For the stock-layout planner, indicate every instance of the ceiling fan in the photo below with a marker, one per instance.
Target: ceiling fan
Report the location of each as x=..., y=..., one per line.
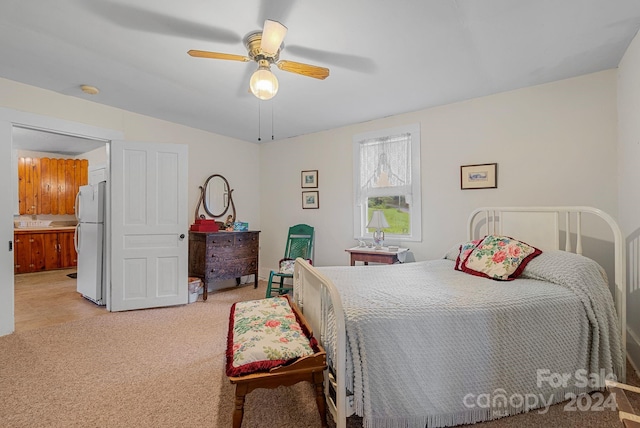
x=264, y=48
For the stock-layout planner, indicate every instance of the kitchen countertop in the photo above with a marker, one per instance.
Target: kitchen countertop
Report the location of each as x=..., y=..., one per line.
x=42, y=229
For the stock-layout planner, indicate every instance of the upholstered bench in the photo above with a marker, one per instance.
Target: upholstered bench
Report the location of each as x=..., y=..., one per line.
x=270, y=344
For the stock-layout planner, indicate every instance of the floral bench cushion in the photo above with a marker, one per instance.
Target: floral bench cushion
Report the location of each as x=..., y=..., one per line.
x=263, y=334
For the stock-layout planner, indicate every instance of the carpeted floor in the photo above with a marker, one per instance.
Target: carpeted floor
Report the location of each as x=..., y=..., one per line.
x=164, y=368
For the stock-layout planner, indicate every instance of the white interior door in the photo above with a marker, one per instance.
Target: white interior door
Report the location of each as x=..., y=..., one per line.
x=149, y=245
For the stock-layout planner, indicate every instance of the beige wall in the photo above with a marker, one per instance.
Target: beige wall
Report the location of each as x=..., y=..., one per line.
x=629, y=186
x=555, y=144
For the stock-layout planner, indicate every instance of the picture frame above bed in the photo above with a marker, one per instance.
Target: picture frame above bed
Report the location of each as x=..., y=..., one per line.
x=479, y=176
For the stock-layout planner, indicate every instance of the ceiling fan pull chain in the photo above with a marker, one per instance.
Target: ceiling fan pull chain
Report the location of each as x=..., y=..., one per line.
x=271, y=120
x=259, y=131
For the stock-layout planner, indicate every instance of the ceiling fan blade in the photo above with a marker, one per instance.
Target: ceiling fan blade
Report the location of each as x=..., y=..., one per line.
x=218, y=55
x=273, y=34
x=141, y=19
x=349, y=61
x=304, y=69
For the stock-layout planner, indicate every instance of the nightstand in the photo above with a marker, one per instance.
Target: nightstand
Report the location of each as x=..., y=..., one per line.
x=383, y=255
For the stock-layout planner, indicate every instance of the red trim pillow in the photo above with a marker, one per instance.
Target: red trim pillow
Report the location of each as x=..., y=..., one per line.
x=499, y=257
x=465, y=250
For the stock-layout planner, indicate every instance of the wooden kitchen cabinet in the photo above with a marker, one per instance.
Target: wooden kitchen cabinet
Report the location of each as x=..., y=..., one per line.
x=44, y=249
x=67, y=250
x=51, y=254
x=48, y=185
x=29, y=253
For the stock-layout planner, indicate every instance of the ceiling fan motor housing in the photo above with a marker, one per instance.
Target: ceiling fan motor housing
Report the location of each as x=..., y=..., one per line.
x=252, y=42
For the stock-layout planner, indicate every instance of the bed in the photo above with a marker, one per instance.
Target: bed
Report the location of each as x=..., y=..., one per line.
x=441, y=347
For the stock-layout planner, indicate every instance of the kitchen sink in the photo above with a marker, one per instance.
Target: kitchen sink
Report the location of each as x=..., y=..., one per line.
x=22, y=224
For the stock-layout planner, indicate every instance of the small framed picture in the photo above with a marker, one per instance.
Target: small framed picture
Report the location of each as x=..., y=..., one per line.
x=483, y=176
x=310, y=200
x=310, y=179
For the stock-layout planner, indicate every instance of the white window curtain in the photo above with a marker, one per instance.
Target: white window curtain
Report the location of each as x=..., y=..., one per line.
x=385, y=166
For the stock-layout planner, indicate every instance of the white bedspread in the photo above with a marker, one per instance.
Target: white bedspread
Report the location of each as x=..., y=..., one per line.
x=427, y=344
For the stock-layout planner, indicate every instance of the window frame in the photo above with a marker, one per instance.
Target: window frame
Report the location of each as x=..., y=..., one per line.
x=415, y=210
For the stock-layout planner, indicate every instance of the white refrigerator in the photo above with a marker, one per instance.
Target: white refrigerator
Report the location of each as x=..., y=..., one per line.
x=89, y=241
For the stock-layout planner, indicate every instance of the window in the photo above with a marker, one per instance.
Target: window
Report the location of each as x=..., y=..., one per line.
x=386, y=177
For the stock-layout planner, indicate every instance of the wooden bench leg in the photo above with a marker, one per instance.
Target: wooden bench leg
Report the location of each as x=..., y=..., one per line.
x=318, y=383
x=238, y=412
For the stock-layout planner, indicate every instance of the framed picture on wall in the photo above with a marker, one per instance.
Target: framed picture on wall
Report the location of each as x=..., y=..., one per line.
x=310, y=179
x=482, y=176
x=310, y=200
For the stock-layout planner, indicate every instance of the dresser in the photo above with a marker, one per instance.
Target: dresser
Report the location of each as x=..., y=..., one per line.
x=215, y=256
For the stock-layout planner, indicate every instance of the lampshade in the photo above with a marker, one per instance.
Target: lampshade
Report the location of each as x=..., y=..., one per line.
x=273, y=34
x=378, y=221
x=263, y=83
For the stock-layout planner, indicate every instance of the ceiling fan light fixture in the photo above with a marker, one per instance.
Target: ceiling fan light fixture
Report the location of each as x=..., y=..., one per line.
x=264, y=48
x=273, y=34
x=263, y=83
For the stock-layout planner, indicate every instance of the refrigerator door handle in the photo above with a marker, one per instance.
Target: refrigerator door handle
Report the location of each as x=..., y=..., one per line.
x=76, y=238
x=76, y=206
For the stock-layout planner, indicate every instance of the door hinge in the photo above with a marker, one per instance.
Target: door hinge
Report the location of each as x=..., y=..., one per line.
x=10, y=245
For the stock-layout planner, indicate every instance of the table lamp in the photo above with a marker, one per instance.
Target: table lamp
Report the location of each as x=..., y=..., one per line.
x=378, y=222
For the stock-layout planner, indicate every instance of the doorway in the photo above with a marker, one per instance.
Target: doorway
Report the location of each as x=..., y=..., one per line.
x=10, y=118
x=164, y=192
x=47, y=295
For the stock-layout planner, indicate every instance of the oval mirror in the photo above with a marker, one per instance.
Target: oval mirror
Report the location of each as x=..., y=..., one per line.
x=217, y=196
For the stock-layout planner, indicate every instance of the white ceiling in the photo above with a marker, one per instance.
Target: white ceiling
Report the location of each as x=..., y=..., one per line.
x=385, y=57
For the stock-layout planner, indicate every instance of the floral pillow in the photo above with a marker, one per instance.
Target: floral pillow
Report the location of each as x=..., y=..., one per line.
x=465, y=250
x=499, y=257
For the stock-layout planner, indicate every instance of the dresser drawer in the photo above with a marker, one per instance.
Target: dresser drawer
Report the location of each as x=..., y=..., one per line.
x=247, y=239
x=220, y=240
x=229, y=269
x=232, y=253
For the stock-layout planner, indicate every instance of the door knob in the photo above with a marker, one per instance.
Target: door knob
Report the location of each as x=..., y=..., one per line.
x=182, y=236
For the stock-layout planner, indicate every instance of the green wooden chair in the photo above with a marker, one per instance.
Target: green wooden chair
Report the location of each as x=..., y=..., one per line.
x=299, y=244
